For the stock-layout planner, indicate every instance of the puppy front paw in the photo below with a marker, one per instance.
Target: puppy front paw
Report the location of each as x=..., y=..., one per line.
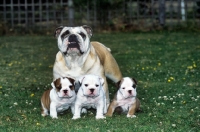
x=108, y=115
x=131, y=116
x=100, y=117
x=54, y=117
x=75, y=117
x=43, y=114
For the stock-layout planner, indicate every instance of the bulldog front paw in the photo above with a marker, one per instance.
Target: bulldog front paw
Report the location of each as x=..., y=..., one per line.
x=75, y=117
x=100, y=117
x=108, y=115
x=44, y=115
x=54, y=117
x=131, y=116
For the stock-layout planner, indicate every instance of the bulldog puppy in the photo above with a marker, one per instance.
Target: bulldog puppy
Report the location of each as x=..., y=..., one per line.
x=91, y=95
x=78, y=56
x=125, y=98
x=59, y=98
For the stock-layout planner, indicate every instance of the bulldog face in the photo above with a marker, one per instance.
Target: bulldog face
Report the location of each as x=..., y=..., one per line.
x=73, y=40
x=91, y=85
x=64, y=87
x=127, y=87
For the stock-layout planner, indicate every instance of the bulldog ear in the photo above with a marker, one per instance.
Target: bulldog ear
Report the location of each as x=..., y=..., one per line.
x=118, y=84
x=58, y=31
x=134, y=81
x=80, y=80
x=71, y=80
x=88, y=30
x=101, y=81
x=56, y=83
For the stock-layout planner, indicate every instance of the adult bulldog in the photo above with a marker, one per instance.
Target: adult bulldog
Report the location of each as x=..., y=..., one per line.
x=78, y=56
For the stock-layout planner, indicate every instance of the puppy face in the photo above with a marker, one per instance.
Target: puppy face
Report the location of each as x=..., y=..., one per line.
x=127, y=87
x=91, y=85
x=64, y=87
x=73, y=40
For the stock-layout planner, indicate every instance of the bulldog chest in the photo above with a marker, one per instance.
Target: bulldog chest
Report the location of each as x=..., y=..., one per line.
x=75, y=72
x=90, y=102
x=63, y=107
x=126, y=103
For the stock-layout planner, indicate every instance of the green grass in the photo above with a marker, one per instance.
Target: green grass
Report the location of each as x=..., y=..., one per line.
x=166, y=65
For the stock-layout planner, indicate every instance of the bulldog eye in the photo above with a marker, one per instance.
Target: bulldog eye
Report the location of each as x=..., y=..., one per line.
x=86, y=85
x=97, y=85
x=123, y=88
x=134, y=86
x=70, y=86
x=58, y=87
x=65, y=34
x=82, y=35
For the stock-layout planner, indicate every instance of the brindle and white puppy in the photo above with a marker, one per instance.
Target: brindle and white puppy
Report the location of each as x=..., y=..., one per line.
x=59, y=98
x=125, y=98
x=78, y=56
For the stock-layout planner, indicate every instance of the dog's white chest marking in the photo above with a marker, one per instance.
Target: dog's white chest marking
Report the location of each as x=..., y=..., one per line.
x=126, y=103
x=91, y=102
x=75, y=71
x=63, y=107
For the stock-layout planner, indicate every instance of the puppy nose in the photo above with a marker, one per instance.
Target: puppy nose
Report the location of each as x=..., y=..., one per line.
x=129, y=91
x=65, y=91
x=91, y=90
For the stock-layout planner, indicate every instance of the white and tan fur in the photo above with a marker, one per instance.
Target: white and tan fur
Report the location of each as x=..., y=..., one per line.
x=125, y=98
x=83, y=58
x=61, y=97
x=91, y=95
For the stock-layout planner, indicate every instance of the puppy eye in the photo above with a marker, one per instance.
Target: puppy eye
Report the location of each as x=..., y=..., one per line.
x=123, y=88
x=86, y=85
x=134, y=86
x=97, y=85
x=58, y=88
x=70, y=86
x=82, y=35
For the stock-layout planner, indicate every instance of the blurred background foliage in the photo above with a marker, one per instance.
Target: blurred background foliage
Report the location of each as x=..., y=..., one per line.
x=42, y=17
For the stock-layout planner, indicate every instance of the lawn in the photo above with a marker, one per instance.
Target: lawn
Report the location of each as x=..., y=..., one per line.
x=166, y=65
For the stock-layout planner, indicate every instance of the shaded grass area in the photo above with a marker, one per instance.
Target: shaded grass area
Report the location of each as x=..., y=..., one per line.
x=165, y=64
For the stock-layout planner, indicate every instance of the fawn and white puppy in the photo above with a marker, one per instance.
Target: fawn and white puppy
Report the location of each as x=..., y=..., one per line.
x=91, y=95
x=125, y=98
x=59, y=98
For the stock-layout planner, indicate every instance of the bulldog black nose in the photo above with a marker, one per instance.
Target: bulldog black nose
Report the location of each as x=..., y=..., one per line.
x=91, y=90
x=72, y=38
x=129, y=91
x=65, y=91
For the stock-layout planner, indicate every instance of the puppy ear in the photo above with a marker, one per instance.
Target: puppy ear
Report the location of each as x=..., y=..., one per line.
x=58, y=31
x=56, y=83
x=134, y=81
x=88, y=30
x=118, y=84
x=101, y=81
x=71, y=80
x=80, y=80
